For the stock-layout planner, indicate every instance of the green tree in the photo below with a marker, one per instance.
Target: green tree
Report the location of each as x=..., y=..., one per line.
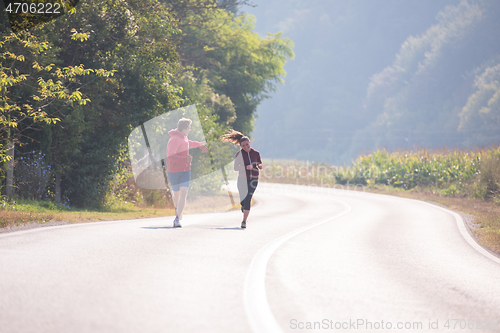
x=133, y=38
x=155, y=56
x=237, y=62
x=32, y=88
x=482, y=110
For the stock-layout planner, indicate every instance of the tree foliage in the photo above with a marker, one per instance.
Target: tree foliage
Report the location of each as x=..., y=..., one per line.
x=482, y=110
x=75, y=87
x=442, y=88
x=237, y=62
x=32, y=88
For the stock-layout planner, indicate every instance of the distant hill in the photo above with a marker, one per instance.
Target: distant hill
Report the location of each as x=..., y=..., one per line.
x=374, y=74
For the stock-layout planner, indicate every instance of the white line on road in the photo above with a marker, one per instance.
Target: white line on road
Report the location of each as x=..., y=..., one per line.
x=259, y=313
x=461, y=226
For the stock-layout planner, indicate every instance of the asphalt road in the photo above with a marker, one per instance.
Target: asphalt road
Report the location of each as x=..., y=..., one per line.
x=310, y=260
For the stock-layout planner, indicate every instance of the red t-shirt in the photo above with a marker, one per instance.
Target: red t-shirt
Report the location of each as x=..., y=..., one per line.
x=178, y=150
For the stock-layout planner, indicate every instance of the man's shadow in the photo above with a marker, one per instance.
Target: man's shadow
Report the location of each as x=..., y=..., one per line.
x=235, y=228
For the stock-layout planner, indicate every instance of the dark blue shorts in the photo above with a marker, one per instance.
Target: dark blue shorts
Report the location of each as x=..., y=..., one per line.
x=179, y=179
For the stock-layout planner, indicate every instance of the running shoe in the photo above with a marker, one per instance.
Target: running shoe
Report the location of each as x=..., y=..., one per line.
x=243, y=225
x=177, y=224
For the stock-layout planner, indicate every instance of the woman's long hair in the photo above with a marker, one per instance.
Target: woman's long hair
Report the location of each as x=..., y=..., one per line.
x=234, y=137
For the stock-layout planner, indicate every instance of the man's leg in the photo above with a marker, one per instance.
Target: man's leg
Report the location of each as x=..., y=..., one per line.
x=181, y=199
x=176, y=200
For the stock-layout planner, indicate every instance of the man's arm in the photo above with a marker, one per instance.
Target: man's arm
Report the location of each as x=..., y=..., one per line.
x=201, y=145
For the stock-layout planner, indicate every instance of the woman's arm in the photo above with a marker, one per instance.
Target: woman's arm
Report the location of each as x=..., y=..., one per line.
x=259, y=162
x=239, y=163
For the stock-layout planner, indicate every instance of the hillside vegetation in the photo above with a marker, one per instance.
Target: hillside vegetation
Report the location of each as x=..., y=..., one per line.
x=388, y=74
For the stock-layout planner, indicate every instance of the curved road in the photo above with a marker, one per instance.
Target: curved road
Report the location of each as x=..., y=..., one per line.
x=310, y=260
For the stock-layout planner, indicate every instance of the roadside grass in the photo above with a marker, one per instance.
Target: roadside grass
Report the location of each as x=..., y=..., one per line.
x=19, y=212
x=210, y=203
x=16, y=213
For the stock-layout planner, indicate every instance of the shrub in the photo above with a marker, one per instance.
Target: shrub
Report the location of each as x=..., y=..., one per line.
x=410, y=169
x=489, y=178
x=32, y=176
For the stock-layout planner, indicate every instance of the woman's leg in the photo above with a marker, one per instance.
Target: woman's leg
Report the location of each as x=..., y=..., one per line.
x=251, y=186
x=242, y=190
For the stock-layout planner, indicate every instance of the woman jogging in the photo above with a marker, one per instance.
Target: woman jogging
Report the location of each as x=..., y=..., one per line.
x=247, y=161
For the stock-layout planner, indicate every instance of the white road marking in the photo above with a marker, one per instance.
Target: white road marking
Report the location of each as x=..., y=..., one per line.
x=257, y=308
x=461, y=227
x=465, y=234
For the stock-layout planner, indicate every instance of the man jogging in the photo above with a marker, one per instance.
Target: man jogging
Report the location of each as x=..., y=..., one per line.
x=179, y=164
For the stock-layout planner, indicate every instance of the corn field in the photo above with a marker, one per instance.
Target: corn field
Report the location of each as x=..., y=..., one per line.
x=406, y=169
x=409, y=169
